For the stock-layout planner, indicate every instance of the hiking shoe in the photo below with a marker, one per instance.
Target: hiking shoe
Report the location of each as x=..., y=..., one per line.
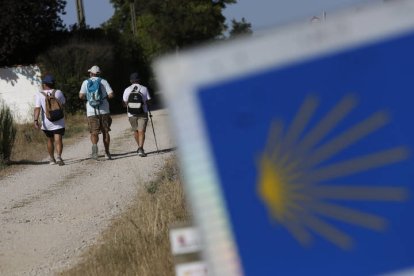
x=59, y=161
x=52, y=161
x=141, y=152
x=95, y=152
x=108, y=156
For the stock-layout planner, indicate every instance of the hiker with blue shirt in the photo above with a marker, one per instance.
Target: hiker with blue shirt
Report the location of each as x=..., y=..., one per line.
x=54, y=128
x=96, y=91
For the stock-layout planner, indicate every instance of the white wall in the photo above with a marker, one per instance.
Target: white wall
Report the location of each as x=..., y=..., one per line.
x=18, y=86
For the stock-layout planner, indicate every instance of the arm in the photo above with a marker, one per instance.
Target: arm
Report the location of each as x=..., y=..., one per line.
x=125, y=97
x=36, y=117
x=61, y=97
x=82, y=91
x=147, y=97
x=109, y=92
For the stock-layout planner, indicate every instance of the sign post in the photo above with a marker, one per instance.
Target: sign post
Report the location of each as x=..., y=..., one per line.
x=186, y=248
x=296, y=145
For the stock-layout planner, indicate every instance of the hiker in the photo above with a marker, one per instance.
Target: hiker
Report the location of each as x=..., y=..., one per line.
x=136, y=98
x=96, y=92
x=54, y=128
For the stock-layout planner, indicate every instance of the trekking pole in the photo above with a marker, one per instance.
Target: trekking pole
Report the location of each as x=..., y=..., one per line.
x=153, y=130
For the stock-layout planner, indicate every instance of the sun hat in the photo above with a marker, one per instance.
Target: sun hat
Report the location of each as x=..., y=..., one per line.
x=49, y=79
x=134, y=77
x=94, y=69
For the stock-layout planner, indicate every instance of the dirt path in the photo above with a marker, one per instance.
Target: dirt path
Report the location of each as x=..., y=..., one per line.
x=50, y=214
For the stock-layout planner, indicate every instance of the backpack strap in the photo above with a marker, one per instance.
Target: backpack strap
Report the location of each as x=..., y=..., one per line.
x=46, y=95
x=41, y=106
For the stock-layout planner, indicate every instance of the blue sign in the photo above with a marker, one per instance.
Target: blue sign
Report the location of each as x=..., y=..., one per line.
x=315, y=161
x=297, y=145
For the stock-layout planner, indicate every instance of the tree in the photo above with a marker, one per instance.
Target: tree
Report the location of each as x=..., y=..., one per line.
x=166, y=25
x=26, y=28
x=116, y=55
x=240, y=28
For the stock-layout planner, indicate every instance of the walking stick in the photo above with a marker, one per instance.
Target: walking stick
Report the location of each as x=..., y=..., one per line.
x=153, y=130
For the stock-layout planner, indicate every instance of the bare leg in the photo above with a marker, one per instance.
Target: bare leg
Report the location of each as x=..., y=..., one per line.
x=141, y=139
x=51, y=147
x=136, y=137
x=59, y=144
x=94, y=138
x=106, y=140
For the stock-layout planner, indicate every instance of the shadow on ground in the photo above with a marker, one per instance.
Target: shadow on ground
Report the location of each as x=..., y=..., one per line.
x=70, y=161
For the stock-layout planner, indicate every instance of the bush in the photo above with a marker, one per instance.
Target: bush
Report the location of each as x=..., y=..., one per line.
x=69, y=61
x=7, y=133
x=69, y=64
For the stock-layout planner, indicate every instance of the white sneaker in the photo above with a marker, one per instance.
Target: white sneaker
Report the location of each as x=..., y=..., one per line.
x=141, y=152
x=59, y=161
x=52, y=161
x=108, y=156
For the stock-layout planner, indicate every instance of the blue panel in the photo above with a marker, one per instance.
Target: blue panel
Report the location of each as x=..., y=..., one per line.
x=368, y=232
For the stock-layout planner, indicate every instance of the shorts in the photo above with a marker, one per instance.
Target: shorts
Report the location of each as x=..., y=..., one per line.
x=139, y=122
x=51, y=133
x=99, y=123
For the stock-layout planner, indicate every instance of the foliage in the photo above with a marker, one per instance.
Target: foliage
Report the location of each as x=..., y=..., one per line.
x=240, y=28
x=7, y=133
x=69, y=64
x=70, y=61
x=27, y=27
x=170, y=25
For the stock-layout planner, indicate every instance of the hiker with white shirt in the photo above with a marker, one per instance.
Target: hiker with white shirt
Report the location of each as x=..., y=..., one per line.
x=135, y=98
x=96, y=91
x=53, y=127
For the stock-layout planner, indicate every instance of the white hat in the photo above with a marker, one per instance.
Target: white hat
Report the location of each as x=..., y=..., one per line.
x=94, y=69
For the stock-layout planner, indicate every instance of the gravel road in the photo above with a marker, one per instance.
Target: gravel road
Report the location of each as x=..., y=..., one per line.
x=49, y=214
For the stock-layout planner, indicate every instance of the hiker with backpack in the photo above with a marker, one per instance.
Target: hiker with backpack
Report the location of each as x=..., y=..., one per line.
x=49, y=104
x=96, y=91
x=136, y=99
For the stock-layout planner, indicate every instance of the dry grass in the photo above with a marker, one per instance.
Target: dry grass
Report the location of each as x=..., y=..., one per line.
x=30, y=144
x=137, y=243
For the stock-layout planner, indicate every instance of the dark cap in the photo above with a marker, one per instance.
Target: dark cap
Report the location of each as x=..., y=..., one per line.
x=49, y=79
x=134, y=77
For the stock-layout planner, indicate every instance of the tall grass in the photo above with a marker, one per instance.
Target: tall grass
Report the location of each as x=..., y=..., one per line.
x=137, y=243
x=30, y=144
x=7, y=133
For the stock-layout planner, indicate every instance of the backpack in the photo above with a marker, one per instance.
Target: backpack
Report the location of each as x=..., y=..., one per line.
x=54, y=109
x=94, y=92
x=136, y=102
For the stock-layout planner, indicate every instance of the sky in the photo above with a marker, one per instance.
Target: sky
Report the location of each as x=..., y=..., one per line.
x=262, y=14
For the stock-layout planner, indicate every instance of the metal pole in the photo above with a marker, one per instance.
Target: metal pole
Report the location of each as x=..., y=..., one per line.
x=133, y=18
x=80, y=13
x=153, y=130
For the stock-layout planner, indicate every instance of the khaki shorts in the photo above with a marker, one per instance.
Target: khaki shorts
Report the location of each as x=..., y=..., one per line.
x=99, y=123
x=139, y=122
